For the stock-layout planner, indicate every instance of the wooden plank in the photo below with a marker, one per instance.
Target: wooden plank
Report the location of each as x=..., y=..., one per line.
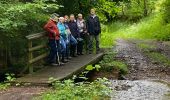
x=35, y=36
x=36, y=48
x=38, y=58
x=30, y=56
x=74, y=67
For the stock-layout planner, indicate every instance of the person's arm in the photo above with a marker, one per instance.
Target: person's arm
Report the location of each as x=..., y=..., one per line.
x=59, y=28
x=99, y=25
x=48, y=28
x=87, y=25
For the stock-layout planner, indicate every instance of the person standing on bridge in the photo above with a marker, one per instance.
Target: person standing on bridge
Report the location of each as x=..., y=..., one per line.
x=75, y=33
x=83, y=32
x=71, y=40
x=54, y=37
x=94, y=29
x=63, y=39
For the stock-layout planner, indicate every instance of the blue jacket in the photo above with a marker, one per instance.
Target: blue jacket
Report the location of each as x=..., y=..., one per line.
x=62, y=29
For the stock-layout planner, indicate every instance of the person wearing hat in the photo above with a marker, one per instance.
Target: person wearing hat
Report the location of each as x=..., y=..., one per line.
x=54, y=37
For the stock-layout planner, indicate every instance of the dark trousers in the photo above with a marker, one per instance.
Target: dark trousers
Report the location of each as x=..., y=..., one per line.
x=91, y=38
x=73, y=50
x=54, y=48
x=80, y=47
x=80, y=43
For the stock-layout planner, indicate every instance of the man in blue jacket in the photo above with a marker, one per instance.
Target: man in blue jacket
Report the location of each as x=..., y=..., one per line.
x=94, y=29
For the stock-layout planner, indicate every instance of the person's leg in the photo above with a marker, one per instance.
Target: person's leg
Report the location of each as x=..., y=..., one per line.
x=86, y=42
x=73, y=43
x=58, y=52
x=63, y=49
x=90, y=44
x=53, y=51
x=78, y=48
x=97, y=43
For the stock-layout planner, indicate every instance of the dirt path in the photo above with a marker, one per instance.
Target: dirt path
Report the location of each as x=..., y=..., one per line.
x=140, y=66
x=142, y=71
x=22, y=93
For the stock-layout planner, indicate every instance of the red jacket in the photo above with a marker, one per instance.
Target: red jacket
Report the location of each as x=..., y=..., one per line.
x=51, y=28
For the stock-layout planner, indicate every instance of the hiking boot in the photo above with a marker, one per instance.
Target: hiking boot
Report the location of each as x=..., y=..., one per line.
x=54, y=64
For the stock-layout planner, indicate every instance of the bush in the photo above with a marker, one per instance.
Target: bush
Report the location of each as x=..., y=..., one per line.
x=68, y=90
x=17, y=20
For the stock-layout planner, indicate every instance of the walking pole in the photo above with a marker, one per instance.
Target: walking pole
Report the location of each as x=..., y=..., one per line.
x=58, y=58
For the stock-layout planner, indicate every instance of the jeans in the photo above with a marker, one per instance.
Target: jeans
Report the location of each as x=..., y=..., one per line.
x=72, y=40
x=63, y=47
x=54, y=49
x=91, y=38
x=73, y=44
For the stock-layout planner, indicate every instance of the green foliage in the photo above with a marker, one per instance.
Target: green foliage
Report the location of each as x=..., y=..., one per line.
x=10, y=77
x=91, y=67
x=109, y=63
x=159, y=58
x=151, y=27
x=166, y=11
x=146, y=47
x=134, y=10
x=106, y=9
x=68, y=90
x=17, y=20
x=3, y=86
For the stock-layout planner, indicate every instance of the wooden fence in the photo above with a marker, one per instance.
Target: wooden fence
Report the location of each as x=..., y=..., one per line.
x=32, y=49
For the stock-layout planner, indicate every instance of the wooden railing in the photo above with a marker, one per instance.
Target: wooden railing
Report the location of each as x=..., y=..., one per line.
x=31, y=49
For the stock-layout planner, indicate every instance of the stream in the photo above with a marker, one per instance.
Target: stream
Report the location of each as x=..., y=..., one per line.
x=140, y=90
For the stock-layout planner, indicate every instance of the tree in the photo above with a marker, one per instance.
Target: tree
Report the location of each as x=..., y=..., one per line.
x=18, y=19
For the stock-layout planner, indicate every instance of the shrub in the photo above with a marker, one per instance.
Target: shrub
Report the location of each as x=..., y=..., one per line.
x=68, y=90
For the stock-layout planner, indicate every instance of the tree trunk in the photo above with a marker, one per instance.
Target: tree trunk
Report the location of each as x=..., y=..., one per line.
x=145, y=8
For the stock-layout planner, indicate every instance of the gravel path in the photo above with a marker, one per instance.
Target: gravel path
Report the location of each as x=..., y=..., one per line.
x=140, y=67
x=139, y=84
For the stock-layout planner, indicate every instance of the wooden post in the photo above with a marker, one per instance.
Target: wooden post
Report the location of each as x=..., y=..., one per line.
x=30, y=56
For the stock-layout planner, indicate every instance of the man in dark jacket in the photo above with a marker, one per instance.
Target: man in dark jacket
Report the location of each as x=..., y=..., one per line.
x=75, y=33
x=94, y=29
x=54, y=37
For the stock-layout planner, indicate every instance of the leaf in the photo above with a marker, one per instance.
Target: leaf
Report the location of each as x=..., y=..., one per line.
x=89, y=67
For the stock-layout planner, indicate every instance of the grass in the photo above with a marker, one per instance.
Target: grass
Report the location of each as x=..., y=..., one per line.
x=159, y=58
x=109, y=63
x=146, y=47
x=151, y=27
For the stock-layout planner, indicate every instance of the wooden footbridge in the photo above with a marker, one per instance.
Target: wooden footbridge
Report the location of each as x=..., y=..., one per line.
x=74, y=66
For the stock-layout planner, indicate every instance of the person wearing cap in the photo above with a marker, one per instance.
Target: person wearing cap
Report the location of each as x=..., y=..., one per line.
x=82, y=30
x=63, y=39
x=94, y=29
x=54, y=37
x=75, y=33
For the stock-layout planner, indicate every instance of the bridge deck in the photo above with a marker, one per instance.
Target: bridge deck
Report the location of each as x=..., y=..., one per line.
x=61, y=72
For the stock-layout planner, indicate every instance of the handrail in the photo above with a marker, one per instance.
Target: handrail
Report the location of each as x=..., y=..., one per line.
x=31, y=49
x=35, y=36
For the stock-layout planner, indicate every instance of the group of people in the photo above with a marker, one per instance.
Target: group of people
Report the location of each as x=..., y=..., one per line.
x=69, y=36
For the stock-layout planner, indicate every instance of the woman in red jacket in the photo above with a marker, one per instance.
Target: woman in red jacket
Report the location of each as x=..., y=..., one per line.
x=54, y=37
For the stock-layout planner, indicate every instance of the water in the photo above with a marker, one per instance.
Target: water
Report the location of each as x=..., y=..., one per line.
x=140, y=90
